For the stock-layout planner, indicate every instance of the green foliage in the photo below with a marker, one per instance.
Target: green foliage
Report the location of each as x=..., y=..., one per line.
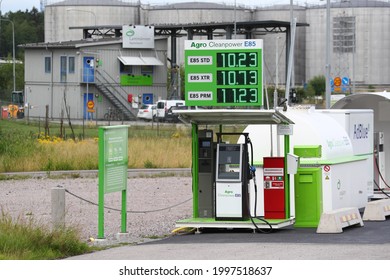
x=28, y=27
x=317, y=85
x=149, y=164
x=6, y=79
x=16, y=143
x=27, y=240
x=25, y=27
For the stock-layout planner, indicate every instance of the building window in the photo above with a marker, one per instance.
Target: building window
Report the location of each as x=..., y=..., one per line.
x=63, y=69
x=47, y=64
x=146, y=69
x=125, y=69
x=71, y=66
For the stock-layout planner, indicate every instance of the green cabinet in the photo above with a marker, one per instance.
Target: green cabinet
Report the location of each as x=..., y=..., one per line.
x=308, y=197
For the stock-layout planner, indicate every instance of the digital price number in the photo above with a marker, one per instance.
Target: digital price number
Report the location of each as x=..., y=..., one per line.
x=223, y=73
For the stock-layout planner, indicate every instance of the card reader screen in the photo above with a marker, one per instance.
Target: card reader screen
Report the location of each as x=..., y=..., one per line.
x=229, y=162
x=205, y=144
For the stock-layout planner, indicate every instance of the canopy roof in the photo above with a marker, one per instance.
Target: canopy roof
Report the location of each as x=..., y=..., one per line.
x=232, y=116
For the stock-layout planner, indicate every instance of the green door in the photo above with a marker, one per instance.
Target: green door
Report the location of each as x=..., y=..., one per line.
x=308, y=197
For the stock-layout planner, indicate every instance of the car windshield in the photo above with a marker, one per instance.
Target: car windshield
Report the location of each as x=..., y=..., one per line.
x=143, y=107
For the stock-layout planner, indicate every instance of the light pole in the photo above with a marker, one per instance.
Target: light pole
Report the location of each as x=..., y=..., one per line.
x=277, y=72
x=327, y=62
x=13, y=49
x=85, y=11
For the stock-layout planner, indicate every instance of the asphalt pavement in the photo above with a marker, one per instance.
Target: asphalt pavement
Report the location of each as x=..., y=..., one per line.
x=370, y=242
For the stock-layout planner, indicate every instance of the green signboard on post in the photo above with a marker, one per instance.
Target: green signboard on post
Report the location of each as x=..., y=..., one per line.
x=224, y=72
x=113, y=164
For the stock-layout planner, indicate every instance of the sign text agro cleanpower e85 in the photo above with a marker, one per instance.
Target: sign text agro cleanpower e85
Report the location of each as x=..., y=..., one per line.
x=224, y=72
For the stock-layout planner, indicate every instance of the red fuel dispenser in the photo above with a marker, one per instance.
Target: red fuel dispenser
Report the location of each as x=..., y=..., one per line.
x=274, y=199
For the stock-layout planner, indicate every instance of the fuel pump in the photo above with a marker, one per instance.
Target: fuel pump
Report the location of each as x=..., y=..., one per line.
x=206, y=173
x=379, y=160
x=232, y=180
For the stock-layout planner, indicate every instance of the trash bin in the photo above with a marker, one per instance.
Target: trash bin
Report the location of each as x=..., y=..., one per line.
x=4, y=112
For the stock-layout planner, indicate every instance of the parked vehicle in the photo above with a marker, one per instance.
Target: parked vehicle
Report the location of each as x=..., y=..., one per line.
x=147, y=112
x=172, y=116
x=163, y=107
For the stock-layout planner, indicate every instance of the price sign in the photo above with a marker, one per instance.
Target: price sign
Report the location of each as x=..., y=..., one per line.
x=224, y=72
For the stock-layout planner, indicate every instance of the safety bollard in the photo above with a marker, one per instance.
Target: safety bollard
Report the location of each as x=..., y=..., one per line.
x=58, y=206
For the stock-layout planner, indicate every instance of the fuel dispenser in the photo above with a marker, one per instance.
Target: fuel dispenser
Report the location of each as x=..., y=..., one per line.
x=232, y=180
x=206, y=174
x=379, y=160
x=224, y=173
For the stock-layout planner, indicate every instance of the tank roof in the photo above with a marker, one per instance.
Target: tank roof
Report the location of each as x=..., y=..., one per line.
x=92, y=3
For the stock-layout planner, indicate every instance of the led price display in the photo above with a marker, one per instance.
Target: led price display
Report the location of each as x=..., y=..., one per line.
x=223, y=73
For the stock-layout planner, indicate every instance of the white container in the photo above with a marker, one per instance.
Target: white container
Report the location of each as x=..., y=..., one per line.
x=347, y=177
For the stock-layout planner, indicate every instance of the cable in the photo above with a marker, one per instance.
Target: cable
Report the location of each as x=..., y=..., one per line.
x=253, y=173
x=381, y=189
x=379, y=172
x=118, y=210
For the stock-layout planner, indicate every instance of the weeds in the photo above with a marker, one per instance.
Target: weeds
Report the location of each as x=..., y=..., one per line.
x=25, y=239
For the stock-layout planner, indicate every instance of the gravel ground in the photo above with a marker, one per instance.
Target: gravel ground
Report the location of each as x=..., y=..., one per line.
x=32, y=198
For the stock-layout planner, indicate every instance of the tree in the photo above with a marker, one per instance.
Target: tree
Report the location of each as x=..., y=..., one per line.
x=317, y=84
x=28, y=28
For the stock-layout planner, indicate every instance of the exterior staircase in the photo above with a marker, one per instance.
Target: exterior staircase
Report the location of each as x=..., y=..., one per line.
x=110, y=88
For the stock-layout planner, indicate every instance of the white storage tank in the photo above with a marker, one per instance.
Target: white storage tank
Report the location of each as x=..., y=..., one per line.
x=379, y=103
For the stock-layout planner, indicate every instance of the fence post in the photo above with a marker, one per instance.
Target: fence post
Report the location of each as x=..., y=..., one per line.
x=58, y=206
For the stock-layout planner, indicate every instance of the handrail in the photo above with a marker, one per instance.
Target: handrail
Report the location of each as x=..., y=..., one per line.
x=112, y=89
x=112, y=85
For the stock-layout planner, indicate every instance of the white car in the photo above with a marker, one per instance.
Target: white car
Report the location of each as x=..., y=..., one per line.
x=147, y=112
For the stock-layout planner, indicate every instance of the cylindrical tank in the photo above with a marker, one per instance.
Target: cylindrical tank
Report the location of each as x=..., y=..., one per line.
x=379, y=103
x=310, y=128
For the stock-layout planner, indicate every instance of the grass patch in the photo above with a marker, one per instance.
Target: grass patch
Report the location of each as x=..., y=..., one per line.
x=24, y=147
x=28, y=240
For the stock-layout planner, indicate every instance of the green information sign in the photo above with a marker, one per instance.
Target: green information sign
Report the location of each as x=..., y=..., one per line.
x=224, y=72
x=113, y=164
x=115, y=158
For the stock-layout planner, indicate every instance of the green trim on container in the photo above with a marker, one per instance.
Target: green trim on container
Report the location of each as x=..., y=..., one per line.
x=308, y=151
x=286, y=177
x=313, y=161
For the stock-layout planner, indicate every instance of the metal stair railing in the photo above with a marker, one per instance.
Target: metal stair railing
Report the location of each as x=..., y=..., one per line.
x=118, y=97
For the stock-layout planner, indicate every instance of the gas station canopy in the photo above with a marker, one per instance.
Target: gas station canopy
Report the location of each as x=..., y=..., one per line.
x=229, y=116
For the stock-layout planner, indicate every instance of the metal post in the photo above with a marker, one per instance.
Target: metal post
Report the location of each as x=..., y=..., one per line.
x=235, y=19
x=327, y=66
x=290, y=60
x=277, y=73
x=286, y=176
x=292, y=44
